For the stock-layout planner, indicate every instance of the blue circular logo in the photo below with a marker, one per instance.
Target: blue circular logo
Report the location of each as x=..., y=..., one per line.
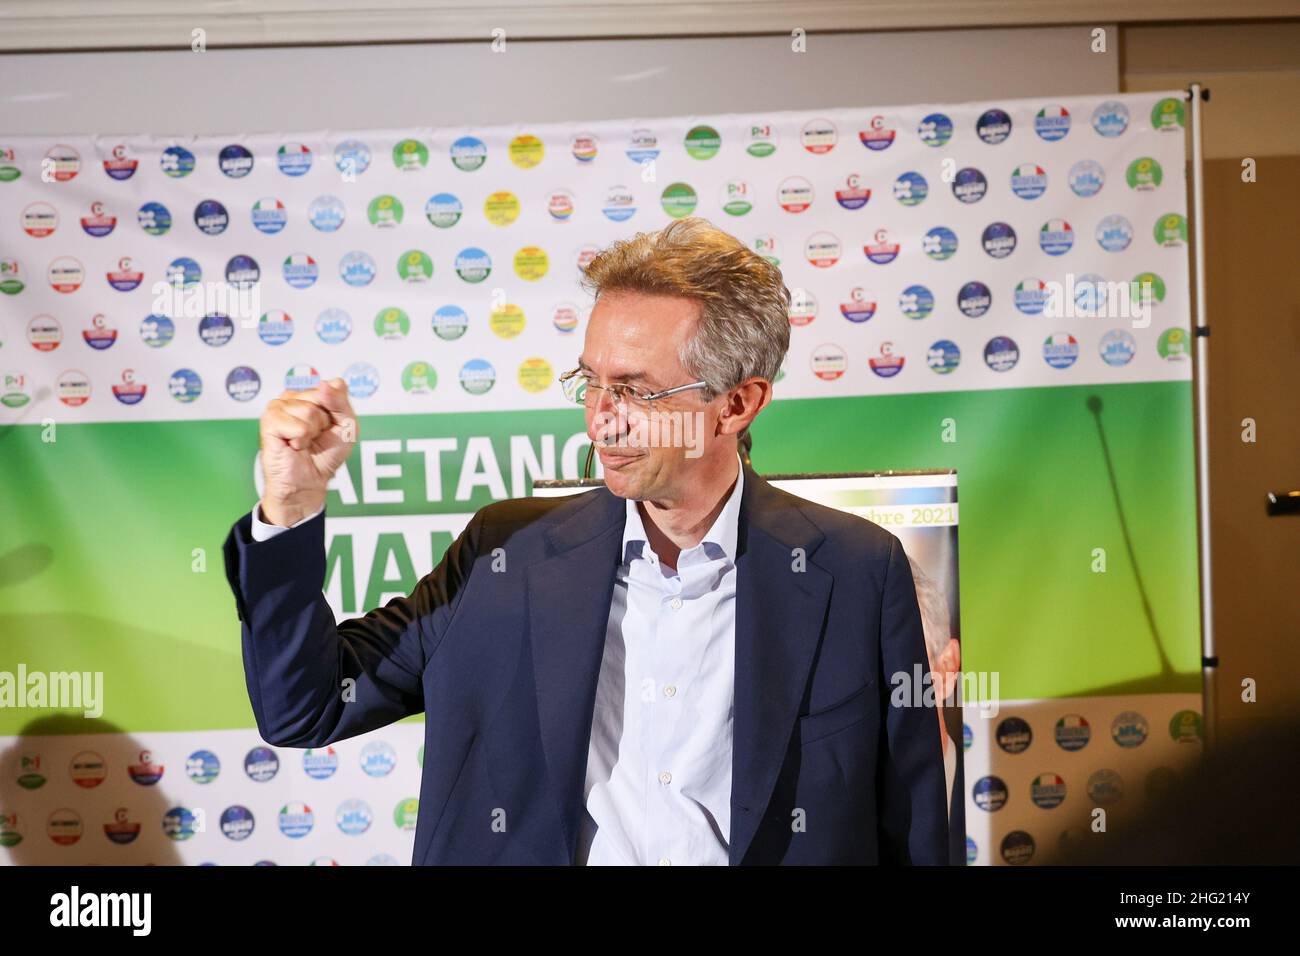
x=1031, y=296
x=183, y=273
x=990, y=793
x=176, y=162
x=940, y=243
x=974, y=299
x=935, y=130
x=1056, y=237
x=275, y=328
x=1117, y=348
x=1052, y=123
x=353, y=817
x=296, y=819
x=993, y=126
x=357, y=269
x=243, y=272
x=1061, y=350
x=1105, y=787
x=293, y=159
x=1029, y=181
x=1047, y=791
x=1114, y=233
x=362, y=379
x=184, y=385
x=1001, y=353
x=237, y=822
x=243, y=383
x=211, y=217
x=320, y=764
x=942, y=357
x=1087, y=176
x=1017, y=848
x=916, y=302
x=1129, y=729
x=969, y=185
x=378, y=759
x=261, y=764
x=202, y=766
x=235, y=161
x=154, y=218
x=216, y=329
x=1073, y=732
x=1014, y=735
x=327, y=213
x=270, y=216
x=910, y=189
x=157, y=330
x=1110, y=118
x=352, y=158
x=998, y=240
x=300, y=270
x=333, y=326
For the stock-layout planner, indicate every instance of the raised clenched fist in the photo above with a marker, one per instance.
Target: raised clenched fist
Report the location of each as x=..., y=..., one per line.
x=306, y=436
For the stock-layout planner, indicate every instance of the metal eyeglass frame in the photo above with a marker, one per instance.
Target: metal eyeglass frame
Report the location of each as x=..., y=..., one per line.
x=625, y=390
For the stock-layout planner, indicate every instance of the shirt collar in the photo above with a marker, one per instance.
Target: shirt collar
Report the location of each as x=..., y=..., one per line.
x=723, y=532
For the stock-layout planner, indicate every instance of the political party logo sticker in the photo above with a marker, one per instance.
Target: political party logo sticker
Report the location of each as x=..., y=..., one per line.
x=261, y=764
x=737, y=197
x=1185, y=727
x=351, y=158
x=184, y=385
x=1047, y=790
x=130, y=391
x=584, y=147
x=327, y=213
x=419, y=378
x=243, y=383
x=320, y=764
x=998, y=240
x=795, y=194
x=878, y=135
x=566, y=317
x=11, y=277
x=73, y=388
x=993, y=126
x=1029, y=181
x=333, y=326
x=216, y=329
x=406, y=813
x=211, y=217
x=473, y=264
x=293, y=159
x=40, y=220
x=506, y=321
x=531, y=263
x=100, y=335
x=935, y=130
x=1014, y=735
x=154, y=218
x=99, y=222
x=1110, y=119
x=822, y=250
x=119, y=164
x=761, y=140
x=235, y=161
x=561, y=205
x=353, y=817
x=1052, y=123
x=1072, y=732
x=1175, y=345
x=157, y=331
x=392, y=324
x=1117, y=347
x=910, y=189
x=1017, y=848
x=183, y=273
x=1087, y=176
x=642, y=146
x=9, y=170
x=916, y=302
x=88, y=770
x=122, y=830
x=13, y=391
x=679, y=200
x=275, y=327
x=301, y=377
x=990, y=793
x=526, y=151
x=766, y=245
x=64, y=826
x=1105, y=787
x=269, y=216
x=1061, y=350
x=385, y=212
x=1001, y=353
x=362, y=379
x=1114, y=233
x=819, y=136
x=887, y=363
x=125, y=277
x=1056, y=237
x=974, y=299
x=969, y=185
x=1129, y=729
x=828, y=362
x=477, y=376
x=803, y=307
x=179, y=823
x=1151, y=288
x=972, y=852
x=202, y=766
x=1031, y=296
x=859, y=308
x=65, y=274
x=44, y=333
x=535, y=375
x=415, y=267
x=243, y=272
x=357, y=269
x=468, y=153
x=943, y=357
x=1168, y=115
x=296, y=819
x=443, y=210
x=237, y=823
x=450, y=322
x=702, y=142
x=882, y=250
x=61, y=164
x=501, y=208
x=11, y=833
x=1171, y=230
x=1144, y=174
x=410, y=156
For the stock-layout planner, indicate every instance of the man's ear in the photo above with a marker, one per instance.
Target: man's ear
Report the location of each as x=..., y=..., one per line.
x=743, y=404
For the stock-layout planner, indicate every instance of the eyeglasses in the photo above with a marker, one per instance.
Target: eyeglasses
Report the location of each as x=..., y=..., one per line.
x=579, y=387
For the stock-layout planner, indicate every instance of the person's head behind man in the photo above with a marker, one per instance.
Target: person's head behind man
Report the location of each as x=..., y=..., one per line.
x=687, y=304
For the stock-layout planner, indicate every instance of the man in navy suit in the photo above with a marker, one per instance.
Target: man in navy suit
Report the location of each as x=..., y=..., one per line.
x=685, y=666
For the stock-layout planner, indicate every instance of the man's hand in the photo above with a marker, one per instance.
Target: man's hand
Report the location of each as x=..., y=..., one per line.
x=306, y=437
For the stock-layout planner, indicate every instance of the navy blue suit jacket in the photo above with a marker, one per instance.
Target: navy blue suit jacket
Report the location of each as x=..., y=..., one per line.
x=504, y=664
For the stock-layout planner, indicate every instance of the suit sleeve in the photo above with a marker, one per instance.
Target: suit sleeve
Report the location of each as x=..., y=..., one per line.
x=311, y=681
x=913, y=811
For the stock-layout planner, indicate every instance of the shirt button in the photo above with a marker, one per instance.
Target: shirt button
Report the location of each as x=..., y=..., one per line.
x=665, y=778
x=664, y=861
x=670, y=691
x=675, y=603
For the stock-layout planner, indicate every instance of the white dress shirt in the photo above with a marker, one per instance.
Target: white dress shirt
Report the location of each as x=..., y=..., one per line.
x=658, y=785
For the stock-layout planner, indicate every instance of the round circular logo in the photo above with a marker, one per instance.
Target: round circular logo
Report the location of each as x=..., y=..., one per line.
x=1073, y=732
x=1014, y=735
x=990, y=793
x=1001, y=353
